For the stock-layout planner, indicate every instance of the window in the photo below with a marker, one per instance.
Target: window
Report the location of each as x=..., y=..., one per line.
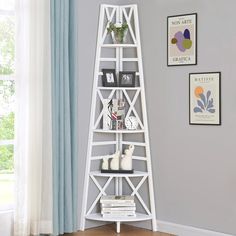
x=7, y=102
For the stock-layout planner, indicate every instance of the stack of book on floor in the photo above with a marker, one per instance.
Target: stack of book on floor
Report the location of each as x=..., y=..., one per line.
x=117, y=206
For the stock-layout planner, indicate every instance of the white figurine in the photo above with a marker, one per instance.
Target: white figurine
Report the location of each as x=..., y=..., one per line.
x=105, y=165
x=114, y=164
x=126, y=161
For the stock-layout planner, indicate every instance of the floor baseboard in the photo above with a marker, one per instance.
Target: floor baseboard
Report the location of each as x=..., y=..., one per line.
x=183, y=230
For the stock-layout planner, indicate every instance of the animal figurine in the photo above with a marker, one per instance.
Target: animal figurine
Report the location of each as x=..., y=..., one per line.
x=126, y=161
x=105, y=165
x=114, y=164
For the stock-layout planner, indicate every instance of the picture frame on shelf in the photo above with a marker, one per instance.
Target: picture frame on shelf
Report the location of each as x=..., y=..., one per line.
x=182, y=40
x=205, y=98
x=127, y=78
x=109, y=78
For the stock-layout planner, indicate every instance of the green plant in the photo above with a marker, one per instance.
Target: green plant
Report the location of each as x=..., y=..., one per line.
x=7, y=45
x=119, y=30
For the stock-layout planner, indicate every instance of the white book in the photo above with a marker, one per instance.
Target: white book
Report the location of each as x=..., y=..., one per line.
x=118, y=204
x=118, y=212
x=118, y=209
x=111, y=199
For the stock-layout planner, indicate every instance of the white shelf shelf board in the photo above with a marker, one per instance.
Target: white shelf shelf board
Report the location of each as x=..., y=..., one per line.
x=123, y=131
x=119, y=45
x=138, y=217
x=135, y=174
x=118, y=88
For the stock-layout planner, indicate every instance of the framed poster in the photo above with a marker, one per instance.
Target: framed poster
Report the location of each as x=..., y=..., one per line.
x=205, y=98
x=182, y=40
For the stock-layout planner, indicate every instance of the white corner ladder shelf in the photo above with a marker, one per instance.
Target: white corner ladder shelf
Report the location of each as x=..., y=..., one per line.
x=120, y=60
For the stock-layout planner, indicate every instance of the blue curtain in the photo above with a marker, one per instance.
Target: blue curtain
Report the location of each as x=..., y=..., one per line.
x=64, y=114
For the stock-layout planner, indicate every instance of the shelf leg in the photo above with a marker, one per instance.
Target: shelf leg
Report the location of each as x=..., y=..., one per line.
x=118, y=227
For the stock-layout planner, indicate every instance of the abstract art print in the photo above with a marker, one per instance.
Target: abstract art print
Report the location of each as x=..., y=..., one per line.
x=205, y=98
x=182, y=40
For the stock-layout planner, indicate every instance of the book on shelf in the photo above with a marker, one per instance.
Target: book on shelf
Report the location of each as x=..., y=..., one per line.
x=117, y=206
x=111, y=209
x=112, y=199
x=132, y=204
x=118, y=212
x=113, y=114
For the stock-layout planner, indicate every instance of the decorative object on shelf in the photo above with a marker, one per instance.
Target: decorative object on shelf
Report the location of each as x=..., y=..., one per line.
x=114, y=164
x=126, y=160
x=127, y=78
x=113, y=114
x=106, y=114
x=182, y=40
x=105, y=164
x=204, y=98
x=109, y=78
x=118, y=31
x=131, y=123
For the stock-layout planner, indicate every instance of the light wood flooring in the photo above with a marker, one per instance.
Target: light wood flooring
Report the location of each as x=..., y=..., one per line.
x=110, y=230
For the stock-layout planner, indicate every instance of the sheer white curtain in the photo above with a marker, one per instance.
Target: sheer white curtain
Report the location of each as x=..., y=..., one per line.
x=33, y=149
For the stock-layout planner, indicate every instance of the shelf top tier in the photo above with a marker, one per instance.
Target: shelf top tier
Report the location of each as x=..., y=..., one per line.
x=119, y=88
x=135, y=174
x=121, y=131
x=122, y=45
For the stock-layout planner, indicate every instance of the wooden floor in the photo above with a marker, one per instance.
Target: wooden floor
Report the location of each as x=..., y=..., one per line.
x=110, y=230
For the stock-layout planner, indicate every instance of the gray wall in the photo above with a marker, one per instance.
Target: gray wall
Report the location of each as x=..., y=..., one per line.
x=194, y=175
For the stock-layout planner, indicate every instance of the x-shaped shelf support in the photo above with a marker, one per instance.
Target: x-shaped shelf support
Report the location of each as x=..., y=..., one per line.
x=128, y=19
x=101, y=189
x=135, y=192
x=130, y=103
x=131, y=106
x=109, y=19
x=102, y=112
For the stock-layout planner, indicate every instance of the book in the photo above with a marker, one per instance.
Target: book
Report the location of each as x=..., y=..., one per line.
x=111, y=199
x=111, y=209
x=113, y=114
x=118, y=204
x=117, y=212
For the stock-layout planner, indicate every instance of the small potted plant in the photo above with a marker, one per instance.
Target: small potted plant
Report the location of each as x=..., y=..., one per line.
x=118, y=31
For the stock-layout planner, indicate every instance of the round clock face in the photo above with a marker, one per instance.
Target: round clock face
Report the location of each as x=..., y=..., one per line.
x=131, y=122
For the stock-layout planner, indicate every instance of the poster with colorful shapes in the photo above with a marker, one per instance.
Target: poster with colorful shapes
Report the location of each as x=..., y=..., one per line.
x=182, y=40
x=204, y=98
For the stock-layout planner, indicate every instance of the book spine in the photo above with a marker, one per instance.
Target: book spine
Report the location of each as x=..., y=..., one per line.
x=118, y=208
x=118, y=212
x=116, y=201
x=120, y=215
x=118, y=205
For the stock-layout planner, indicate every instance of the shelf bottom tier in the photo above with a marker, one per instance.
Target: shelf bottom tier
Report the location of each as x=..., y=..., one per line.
x=138, y=217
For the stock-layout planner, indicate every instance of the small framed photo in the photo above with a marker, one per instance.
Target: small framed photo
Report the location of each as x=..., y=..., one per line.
x=127, y=79
x=182, y=40
x=109, y=78
x=205, y=98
